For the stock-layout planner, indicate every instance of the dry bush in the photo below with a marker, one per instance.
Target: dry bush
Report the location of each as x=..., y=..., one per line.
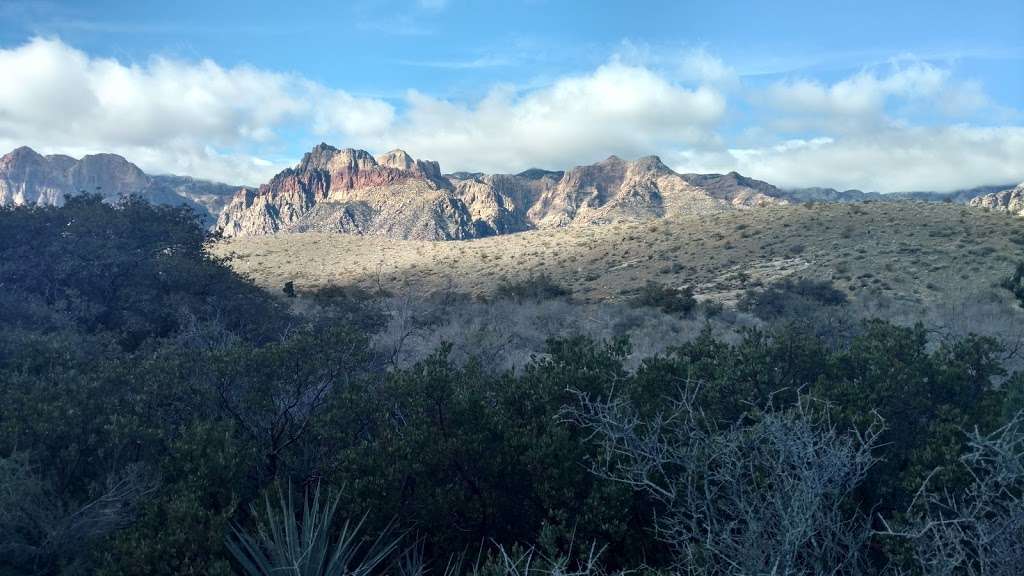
x=42, y=533
x=507, y=333
x=767, y=494
x=978, y=531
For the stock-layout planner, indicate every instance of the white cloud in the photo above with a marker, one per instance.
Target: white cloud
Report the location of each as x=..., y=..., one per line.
x=358, y=118
x=203, y=119
x=705, y=68
x=862, y=93
x=892, y=160
x=859, y=103
x=618, y=108
x=165, y=115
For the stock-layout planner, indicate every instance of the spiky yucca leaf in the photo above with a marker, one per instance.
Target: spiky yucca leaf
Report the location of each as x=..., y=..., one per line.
x=287, y=543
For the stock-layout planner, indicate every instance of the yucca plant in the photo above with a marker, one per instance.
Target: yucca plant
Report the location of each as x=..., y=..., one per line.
x=287, y=543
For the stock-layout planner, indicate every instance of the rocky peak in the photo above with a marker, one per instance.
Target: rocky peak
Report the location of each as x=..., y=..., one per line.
x=350, y=190
x=105, y=172
x=326, y=157
x=604, y=178
x=737, y=189
x=108, y=162
x=538, y=174
x=399, y=159
x=23, y=153
x=21, y=159
x=649, y=165
x=1011, y=200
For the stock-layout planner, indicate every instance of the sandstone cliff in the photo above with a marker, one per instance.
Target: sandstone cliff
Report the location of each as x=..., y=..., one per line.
x=346, y=190
x=1011, y=200
x=29, y=178
x=620, y=190
x=394, y=195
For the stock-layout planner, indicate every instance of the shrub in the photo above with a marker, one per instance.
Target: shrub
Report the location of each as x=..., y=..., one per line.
x=766, y=494
x=1015, y=283
x=534, y=287
x=978, y=529
x=791, y=298
x=669, y=299
x=350, y=304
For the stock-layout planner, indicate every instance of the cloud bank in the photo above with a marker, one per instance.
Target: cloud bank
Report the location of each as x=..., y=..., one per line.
x=242, y=124
x=617, y=108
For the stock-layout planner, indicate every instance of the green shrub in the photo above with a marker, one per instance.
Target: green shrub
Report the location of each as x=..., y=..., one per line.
x=1015, y=283
x=667, y=298
x=791, y=298
x=534, y=287
x=125, y=351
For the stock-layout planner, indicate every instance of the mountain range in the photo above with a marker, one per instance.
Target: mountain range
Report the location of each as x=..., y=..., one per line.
x=396, y=196
x=29, y=178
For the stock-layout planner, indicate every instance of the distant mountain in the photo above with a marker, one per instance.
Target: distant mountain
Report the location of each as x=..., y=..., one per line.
x=964, y=196
x=833, y=195
x=348, y=190
x=211, y=196
x=29, y=178
x=1011, y=200
x=396, y=196
x=738, y=190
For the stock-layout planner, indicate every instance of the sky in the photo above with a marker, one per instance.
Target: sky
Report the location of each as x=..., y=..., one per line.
x=885, y=96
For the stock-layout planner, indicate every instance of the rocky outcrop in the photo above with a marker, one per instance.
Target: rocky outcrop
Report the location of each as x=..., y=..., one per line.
x=620, y=190
x=29, y=178
x=394, y=195
x=350, y=191
x=500, y=203
x=1011, y=201
x=739, y=191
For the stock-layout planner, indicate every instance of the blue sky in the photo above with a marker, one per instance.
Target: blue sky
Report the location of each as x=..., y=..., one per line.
x=875, y=95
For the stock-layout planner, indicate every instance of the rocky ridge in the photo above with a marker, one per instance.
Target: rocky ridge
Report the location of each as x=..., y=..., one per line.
x=28, y=178
x=1011, y=200
x=350, y=191
x=396, y=196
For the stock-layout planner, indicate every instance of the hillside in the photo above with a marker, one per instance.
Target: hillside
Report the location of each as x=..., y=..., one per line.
x=907, y=251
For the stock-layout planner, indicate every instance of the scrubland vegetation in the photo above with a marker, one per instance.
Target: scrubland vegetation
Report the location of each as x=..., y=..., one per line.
x=160, y=414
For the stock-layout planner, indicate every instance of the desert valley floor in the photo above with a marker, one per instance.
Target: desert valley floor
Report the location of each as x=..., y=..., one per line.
x=910, y=252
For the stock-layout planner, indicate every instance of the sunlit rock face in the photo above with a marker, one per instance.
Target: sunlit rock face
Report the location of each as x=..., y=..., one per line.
x=1011, y=201
x=397, y=196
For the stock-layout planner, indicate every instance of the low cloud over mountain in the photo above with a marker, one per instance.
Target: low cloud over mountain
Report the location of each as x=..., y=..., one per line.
x=244, y=124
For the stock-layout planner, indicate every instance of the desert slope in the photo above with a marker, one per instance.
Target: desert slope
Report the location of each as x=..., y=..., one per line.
x=909, y=251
